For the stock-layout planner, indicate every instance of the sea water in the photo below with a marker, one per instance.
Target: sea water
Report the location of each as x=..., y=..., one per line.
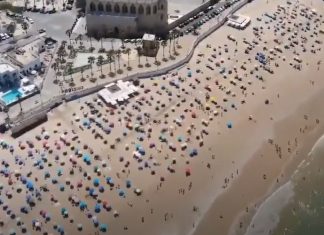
x=296, y=208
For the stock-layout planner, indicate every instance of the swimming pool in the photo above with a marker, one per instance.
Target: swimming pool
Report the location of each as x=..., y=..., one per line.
x=11, y=96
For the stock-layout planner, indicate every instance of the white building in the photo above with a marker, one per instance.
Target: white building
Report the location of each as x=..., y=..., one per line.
x=27, y=58
x=9, y=74
x=126, y=18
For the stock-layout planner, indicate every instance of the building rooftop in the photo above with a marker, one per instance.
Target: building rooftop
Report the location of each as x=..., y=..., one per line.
x=27, y=54
x=5, y=67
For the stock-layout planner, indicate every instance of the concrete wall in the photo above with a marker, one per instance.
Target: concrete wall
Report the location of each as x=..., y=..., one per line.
x=28, y=124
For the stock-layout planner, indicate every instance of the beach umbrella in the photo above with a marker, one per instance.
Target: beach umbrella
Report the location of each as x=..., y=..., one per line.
x=96, y=182
x=121, y=193
x=60, y=230
x=128, y=184
x=101, y=189
x=54, y=181
x=188, y=171
x=62, y=188
x=95, y=221
x=138, y=191
x=97, y=208
x=80, y=227
x=30, y=185
x=103, y=228
x=83, y=205
x=229, y=125
x=24, y=210
x=193, y=152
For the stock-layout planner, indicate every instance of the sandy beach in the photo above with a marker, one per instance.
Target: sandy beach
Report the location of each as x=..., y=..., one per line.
x=194, y=152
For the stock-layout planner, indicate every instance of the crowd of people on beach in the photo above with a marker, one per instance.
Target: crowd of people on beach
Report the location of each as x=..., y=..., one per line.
x=73, y=173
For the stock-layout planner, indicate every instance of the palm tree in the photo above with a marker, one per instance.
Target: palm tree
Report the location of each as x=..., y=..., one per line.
x=163, y=44
x=101, y=62
x=139, y=54
x=156, y=46
x=118, y=54
x=91, y=60
x=82, y=78
x=110, y=55
x=70, y=71
x=91, y=47
x=123, y=43
x=68, y=33
x=128, y=51
x=56, y=68
x=170, y=40
x=102, y=49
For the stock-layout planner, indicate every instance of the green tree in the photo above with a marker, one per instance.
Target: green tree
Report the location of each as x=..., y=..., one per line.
x=118, y=55
x=110, y=58
x=139, y=54
x=128, y=51
x=100, y=63
x=82, y=77
x=91, y=60
x=91, y=47
x=11, y=28
x=163, y=44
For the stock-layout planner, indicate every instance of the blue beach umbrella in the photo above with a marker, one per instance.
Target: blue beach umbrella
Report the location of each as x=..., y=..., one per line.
x=128, y=183
x=121, y=193
x=62, y=188
x=101, y=189
x=96, y=182
x=97, y=208
x=229, y=125
x=30, y=185
x=83, y=205
x=103, y=228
